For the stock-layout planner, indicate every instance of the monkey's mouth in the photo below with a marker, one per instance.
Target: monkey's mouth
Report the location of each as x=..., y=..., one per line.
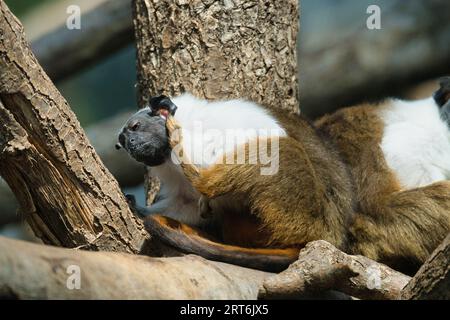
x=147, y=153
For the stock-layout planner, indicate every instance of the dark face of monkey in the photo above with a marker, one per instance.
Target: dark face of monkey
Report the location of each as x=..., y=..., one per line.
x=144, y=137
x=442, y=98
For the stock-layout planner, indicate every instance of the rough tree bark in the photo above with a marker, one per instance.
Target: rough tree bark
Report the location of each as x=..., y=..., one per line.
x=107, y=275
x=217, y=50
x=321, y=266
x=66, y=194
x=127, y=171
x=31, y=271
x=432, y=281
x=70, y=199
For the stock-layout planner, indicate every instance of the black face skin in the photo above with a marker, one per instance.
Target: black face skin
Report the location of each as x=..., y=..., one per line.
x=144, y=137
x=442, y=98
x=445, y=112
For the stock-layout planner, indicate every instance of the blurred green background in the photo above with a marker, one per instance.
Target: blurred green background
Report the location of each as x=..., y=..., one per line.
x=97, y=92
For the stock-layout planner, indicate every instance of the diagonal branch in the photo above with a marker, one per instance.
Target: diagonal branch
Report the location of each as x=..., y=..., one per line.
x=65, y=192
x=321, y=266
x=432, y=281
x=105, y=29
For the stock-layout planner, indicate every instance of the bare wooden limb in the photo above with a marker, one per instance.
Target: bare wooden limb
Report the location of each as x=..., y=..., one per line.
x=322, y=267
x=432, y=281
x=66, y=194
x=31, y=271
x=102, y=136
x=343, y=62
x=104, y=30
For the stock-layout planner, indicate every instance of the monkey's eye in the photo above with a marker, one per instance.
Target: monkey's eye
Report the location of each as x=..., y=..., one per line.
x=135, y=126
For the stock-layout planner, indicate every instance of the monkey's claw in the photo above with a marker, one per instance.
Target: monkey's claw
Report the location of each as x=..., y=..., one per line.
x=131, y=200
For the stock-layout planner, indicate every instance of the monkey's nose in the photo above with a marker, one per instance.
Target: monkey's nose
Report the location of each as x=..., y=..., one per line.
x=121, y=142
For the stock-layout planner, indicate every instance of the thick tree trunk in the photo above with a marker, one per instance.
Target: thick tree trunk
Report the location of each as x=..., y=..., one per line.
x=218, y=50
x=432, y=281
x=65, y=193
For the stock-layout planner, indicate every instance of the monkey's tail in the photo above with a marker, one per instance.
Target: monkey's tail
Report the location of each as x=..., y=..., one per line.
x=190, y=240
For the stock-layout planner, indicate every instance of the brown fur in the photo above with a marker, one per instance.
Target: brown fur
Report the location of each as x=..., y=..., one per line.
x=394, y=226
x=333, y=184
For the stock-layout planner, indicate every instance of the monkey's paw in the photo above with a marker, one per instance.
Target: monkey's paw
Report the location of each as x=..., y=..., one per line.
x=173, y=131
x=131, y=200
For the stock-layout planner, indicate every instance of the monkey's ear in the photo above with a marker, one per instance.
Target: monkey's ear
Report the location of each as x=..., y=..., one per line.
x=442, y=95
x=162, y=102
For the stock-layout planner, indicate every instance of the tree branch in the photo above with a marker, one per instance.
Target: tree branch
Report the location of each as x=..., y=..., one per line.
x=432, y=281
x=357, y=64
x=65, y=193
x=218, y=50
x=322, y=267
x=127, y=171
x=31, y=271
x=104, y=30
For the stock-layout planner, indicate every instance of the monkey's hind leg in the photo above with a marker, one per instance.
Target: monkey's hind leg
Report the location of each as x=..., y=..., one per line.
x=401, y=229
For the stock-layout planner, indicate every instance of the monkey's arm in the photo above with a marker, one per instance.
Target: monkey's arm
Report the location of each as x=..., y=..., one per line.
x=191, y=171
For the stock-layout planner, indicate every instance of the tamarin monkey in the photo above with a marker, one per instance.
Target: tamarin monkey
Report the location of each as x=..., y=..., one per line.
x=370, y=179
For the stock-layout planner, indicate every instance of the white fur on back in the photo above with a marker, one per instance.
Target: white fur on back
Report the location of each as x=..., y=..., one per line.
x=180, y=199
x=244, y=119
x=416, y=142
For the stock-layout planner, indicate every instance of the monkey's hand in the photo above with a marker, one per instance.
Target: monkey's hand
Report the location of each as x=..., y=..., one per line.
x=174, y=132
x=137, y=210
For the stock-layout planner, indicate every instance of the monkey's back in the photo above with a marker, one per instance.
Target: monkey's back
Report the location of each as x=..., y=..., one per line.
x=393, y=224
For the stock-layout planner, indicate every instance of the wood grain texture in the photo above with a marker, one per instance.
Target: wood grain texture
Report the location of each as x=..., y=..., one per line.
x=66, y=194
x=218, y=49
x=432, y=281
x=321, y=266
x=31, y=271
